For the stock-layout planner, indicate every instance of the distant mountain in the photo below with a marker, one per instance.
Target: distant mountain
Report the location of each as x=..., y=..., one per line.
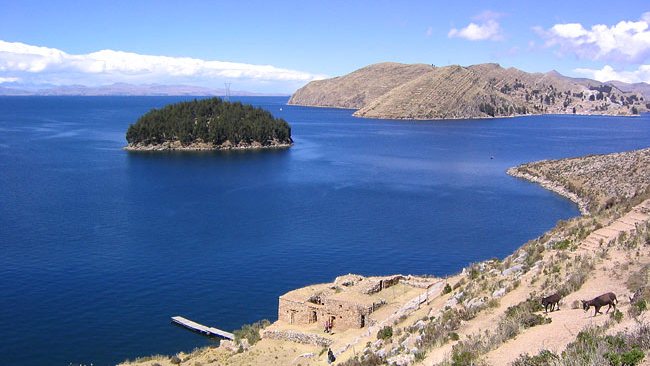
x=118, y=89
x=640, y=88
x=399, y=91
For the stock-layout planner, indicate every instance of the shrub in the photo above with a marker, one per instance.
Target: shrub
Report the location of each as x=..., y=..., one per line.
x=617, y=316
x=367, y=359
x=637, y=308
x=641, y=305
x=464, y=357
x=561, y=245
x=385, y=332
x=545, y=357
x=446, y=290
x=440, y=330
x=493, y=303
x=592, y=348
x=251, y=332
x=578, y=277
x=630, y=358
x=474, y=273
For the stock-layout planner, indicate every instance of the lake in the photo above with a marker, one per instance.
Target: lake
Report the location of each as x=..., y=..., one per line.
x=101, y=247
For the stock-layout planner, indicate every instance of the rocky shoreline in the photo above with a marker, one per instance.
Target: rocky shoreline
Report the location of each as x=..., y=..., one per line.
x=205, y=146
x=583, y=205
x=557, y=113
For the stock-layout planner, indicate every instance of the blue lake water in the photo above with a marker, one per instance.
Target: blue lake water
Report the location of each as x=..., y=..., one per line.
x=99, y=247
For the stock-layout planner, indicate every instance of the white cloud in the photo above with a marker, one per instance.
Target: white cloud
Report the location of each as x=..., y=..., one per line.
x=627, y=41
x=50, y=65
x=486, y=28
x=8, y=80
x=607, y=73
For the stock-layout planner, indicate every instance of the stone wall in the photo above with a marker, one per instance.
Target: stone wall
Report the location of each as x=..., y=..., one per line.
x=293, y=312
x=375, y=285
x=297, y=337
x=346, y=314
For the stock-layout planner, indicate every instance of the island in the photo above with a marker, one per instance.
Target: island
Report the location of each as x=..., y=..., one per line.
x=208, y=124
x=426, y=92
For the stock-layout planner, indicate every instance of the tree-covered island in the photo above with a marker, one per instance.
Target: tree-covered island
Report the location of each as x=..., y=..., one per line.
x=208, y=124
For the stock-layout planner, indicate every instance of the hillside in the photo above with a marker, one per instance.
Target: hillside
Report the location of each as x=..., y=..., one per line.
x=358, y=88
x=398, y=91
x=490, y=313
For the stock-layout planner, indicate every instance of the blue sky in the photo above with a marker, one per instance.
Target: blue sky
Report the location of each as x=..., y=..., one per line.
x=273, y=46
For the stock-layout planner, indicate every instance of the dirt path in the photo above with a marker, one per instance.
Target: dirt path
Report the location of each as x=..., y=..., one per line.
x=638, y=215
x=607, y=276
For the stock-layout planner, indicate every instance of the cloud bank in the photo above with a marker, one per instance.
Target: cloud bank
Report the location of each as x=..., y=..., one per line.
x=486, y=28
x=626, y=41
x=607, y=73
x=35, y=64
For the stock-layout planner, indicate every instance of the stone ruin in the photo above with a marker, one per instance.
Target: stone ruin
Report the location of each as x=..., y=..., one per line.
x=346, y=303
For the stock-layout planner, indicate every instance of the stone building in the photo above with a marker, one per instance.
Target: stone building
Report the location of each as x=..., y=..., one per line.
x=347, y=302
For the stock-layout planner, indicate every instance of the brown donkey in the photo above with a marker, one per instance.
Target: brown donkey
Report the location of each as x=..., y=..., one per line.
x=600, y=301
x=552, y=301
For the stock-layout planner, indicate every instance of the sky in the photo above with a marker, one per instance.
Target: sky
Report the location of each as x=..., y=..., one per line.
x=279, y=46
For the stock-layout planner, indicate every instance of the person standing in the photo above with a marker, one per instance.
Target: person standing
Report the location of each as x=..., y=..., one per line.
x=330, y=356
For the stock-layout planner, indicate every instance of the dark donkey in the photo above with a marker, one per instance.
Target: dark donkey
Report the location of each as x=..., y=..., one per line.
x=551, y=301
x=600, y=301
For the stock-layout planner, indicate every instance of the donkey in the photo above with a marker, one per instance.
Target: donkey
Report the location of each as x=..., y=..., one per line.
x=600, y=301
x=551, y=301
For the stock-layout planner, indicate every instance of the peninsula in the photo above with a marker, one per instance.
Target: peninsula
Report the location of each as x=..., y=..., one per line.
x=419, y=91
x=208, y=124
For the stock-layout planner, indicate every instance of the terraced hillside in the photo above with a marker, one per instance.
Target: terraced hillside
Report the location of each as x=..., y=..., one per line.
x=399, y=91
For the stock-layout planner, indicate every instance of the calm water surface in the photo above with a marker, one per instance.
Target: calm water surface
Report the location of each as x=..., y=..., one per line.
x=99, y=247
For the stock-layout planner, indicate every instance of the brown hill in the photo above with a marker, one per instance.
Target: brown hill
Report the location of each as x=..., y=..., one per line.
x=357, y=88
x=398, y=91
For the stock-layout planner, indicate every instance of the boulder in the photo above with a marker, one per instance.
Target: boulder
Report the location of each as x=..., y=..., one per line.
x=499, y=293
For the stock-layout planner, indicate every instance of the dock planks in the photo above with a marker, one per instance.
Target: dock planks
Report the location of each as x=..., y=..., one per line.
x=211, y=331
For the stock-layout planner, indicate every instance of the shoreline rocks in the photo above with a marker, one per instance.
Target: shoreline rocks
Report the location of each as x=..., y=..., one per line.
x=205, y=146
x=583, y=205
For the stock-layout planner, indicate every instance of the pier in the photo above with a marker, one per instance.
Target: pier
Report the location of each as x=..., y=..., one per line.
x=200, y=328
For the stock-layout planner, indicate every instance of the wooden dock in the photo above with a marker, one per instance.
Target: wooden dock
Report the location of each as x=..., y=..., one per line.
x=210, y=331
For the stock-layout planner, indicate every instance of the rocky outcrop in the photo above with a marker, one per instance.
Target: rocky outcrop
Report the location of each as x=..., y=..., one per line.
x=398, y=91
